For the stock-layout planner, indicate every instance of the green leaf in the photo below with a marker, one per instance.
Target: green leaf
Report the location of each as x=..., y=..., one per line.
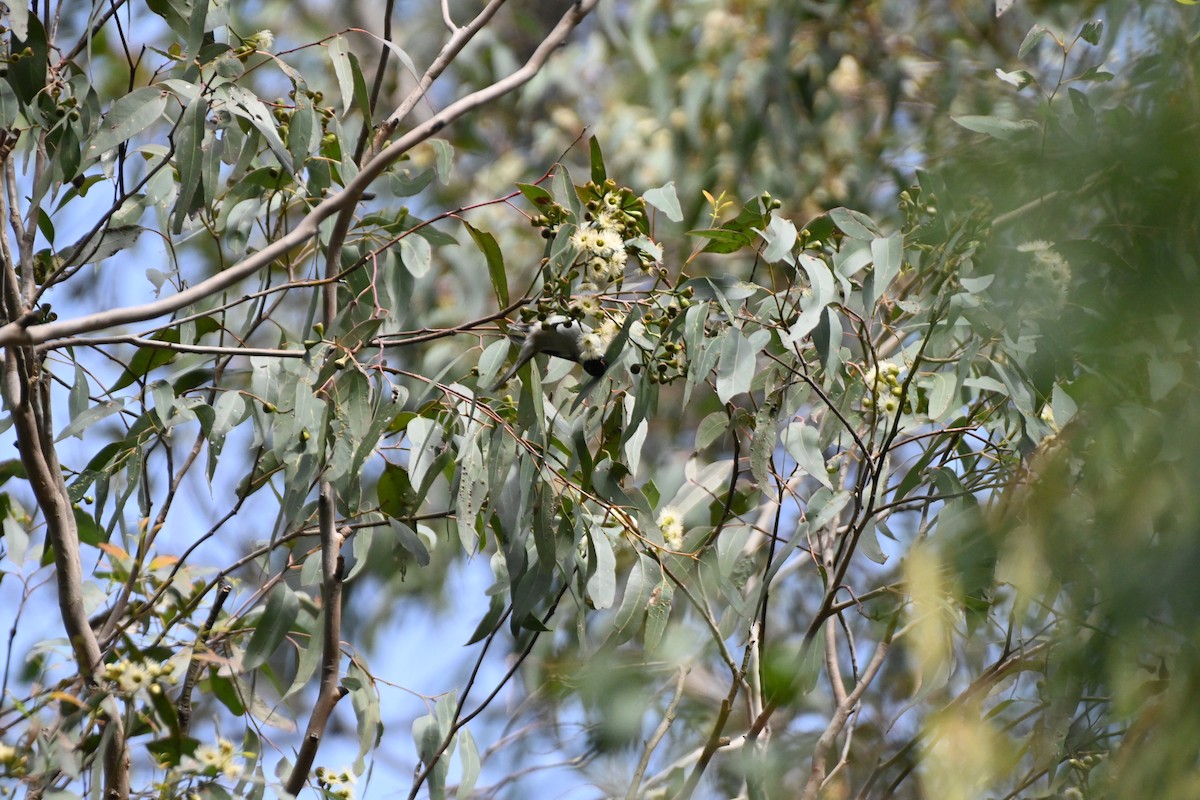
x=339, y=53
x=230, y=410
x=468, y=756
x=127, y=117
x=90, y=531
x=1095, y=75
x=10, y=107
x=472, y=492
x=1091, y=31
x=27, y=75
x=495, y=262
x=444, y=158
x=802, y=443
x=397, y=498
x=665, y=200
x=1063, y=406
x=598, y=173
x=780, y=236
x=489, y=621
x=722, y=240
x=1080, y=104
x=18, y=19
x=602, y=569
x=998, y=127
x=566, y=193
x=633, y=603
x=428, y=734
x=79, y=396
x=658, y=613
x=943, y=389
x=164, y=400
x=416, y=255
x=309, y=656
x=868, y=545
x=762, y=446
x=1035, y=35
x=90, y=249
x=63, y=150
x=225, y=690
x=1019, y=78
x=283, y=606
x=246, y=105
x=540, y=198
x=711, y=427
x=1164, y=376
x=719, y=286
x=887, y=253
x=855, y=224
x=92, y=415
x=635, y=438
x=11, y=468
x=195, y=33
x=737, y=365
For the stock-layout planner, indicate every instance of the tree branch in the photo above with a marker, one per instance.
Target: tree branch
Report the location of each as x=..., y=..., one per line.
x=309, y=226
x=816, y=775
x=331, y=599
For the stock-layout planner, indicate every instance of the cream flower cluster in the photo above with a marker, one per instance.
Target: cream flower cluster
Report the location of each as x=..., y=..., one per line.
x=670, y=524
x=337, y=784
x=1049, y=276
x=217, y=758
x=883, y=386
x=130, y=676
x=601, y=248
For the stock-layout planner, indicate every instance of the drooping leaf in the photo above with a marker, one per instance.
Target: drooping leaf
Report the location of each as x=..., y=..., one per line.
x=495, y=261
x=1035, y=35
x=642, y=578
x=283, y=606
x=416, y=255
x=998, y=127
x=597, y=161
x=89, y=417
x=737, y=366
x=855, y=224
x=128, y=116
x=887, y=253
x=665, y=200
x=397, y=497
x=602, y=569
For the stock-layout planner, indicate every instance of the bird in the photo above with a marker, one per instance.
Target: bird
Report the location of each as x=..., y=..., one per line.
x=558, y=336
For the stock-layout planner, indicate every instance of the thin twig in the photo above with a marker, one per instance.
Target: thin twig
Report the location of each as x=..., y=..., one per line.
x=656, y=737
x=196, y=664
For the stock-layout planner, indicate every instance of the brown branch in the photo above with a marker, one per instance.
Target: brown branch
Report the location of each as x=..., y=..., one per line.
x=845, y=707
x=26, y=393
x=331, y=691
x=458, y=40
x=184, y=703
x=715, y=739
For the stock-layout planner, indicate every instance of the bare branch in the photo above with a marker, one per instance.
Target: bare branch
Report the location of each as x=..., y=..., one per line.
x=844, y=708
x=331, y=599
